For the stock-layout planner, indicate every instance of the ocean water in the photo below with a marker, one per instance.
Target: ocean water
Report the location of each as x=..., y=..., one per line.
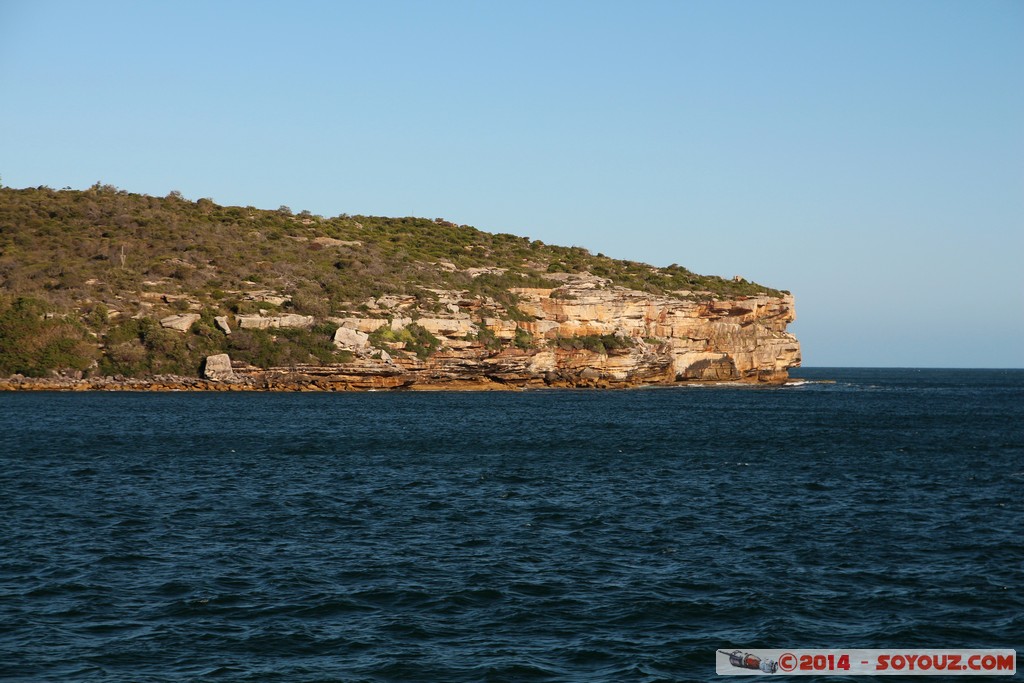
x=536, y=536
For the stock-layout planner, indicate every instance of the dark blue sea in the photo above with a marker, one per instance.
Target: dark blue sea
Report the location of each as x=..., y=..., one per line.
x=537, y=536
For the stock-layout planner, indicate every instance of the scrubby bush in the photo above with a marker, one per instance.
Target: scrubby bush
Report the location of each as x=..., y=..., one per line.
x=285, y=347
x=490, y=340
x=309, y=302
x=417, y=339
x=523, y=339
x=595, y=343
x=423, y=343
x=141, y=347
x=35, y=342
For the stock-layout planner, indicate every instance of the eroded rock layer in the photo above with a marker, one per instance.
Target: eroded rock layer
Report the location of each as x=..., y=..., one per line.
x=583, y=332
x=580, y=332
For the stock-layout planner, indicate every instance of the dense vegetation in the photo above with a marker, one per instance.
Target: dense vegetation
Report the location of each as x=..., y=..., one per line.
x=79, y=270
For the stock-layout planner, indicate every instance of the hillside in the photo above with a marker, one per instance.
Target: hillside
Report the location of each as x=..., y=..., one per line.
x=86, y=277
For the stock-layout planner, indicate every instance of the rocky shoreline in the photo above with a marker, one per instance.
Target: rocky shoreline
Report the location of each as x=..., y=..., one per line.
x=174, y=383
x=310, y=381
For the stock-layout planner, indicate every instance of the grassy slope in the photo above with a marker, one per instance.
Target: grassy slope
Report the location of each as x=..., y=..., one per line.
x=89, y=257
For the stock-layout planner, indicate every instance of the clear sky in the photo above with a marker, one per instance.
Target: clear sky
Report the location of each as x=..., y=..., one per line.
x=868, y=156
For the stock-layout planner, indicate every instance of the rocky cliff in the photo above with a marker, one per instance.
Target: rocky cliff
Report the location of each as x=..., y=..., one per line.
x=581, y=332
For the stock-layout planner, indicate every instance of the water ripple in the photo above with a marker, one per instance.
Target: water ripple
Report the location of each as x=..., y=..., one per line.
x=552, y=536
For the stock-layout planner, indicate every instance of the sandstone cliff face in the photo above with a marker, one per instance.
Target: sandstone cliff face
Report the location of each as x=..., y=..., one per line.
x=581, y=333
x=657, y=340
x=708, y=340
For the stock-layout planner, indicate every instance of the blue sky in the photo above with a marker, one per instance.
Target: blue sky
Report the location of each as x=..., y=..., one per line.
x=868, y=156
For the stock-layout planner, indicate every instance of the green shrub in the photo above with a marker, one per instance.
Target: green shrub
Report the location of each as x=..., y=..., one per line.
x=422, y=342
x=490, y=340
x=35, y=342
x=594, y=343
x=515, y=313
x=96, y=316
x=418, y=340
x=285, y=347
x=523, y=339
x=138, y=348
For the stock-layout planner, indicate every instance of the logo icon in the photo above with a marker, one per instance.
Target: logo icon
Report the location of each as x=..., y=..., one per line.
x=745, y=660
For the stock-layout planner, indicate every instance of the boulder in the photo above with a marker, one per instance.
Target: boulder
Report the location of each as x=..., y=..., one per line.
x=222, y=323
x=181, y=322
x=218, y=367
x=347, y=338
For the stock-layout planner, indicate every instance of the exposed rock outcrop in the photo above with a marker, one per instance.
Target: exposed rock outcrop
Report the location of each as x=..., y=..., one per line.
x=581, y=333
x=180, y=322
x=267, y=322
x=740, y=339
